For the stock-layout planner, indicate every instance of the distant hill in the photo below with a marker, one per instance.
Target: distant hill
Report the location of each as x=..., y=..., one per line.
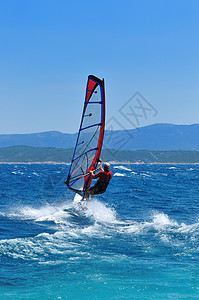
x=152, y=137
x=164, y=137
x=29, y=154
x=42, y=139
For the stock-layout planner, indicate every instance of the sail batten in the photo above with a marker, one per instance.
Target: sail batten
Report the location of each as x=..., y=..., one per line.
x=90, y=126
x=90, y=137
x=84, y=154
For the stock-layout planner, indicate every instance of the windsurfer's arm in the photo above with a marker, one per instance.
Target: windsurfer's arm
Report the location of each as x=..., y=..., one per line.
x=94, y=176
x=100, y=167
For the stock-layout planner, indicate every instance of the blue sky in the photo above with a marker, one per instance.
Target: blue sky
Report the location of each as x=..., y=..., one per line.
x=48, y=48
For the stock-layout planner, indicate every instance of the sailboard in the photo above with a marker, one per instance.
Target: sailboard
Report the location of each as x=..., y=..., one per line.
x=90, y=137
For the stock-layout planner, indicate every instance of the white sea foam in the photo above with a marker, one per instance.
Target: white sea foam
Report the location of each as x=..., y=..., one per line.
x=37, y=248
x=145, y=175
x=161, y=219
x=45, y=245
x=122, y=168
x=162, y=225
x=57, y=214
x=119, y=174
x=18, y=172
x=34, y=173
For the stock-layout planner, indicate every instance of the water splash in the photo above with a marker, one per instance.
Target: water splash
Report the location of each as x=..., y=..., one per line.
x=100, y=212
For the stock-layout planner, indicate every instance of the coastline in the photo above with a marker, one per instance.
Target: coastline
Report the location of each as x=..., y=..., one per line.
x=41, y=155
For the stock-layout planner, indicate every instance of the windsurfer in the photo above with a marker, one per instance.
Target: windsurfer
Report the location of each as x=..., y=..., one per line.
x=101, y=185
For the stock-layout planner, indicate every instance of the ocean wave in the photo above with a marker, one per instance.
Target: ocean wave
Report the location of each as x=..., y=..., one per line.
x=119, y=174
x=34, y=173
x=145, y=175
x=134, y=173
x=94, y=220
x=66, y=214
x=162, y=224
x=122, y=168
x=73, y=234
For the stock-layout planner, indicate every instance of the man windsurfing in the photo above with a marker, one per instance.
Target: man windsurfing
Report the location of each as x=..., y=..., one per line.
x=101, y=185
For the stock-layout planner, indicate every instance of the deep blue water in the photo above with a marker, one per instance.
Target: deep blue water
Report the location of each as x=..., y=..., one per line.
x=140, y=240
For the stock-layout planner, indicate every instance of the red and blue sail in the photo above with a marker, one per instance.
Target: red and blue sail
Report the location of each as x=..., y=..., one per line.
x=90, y=137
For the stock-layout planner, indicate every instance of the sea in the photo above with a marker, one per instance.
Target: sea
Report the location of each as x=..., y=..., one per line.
x=139, y=240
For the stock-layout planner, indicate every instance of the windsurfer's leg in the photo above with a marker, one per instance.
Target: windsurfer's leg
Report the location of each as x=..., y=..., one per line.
x=87, y=194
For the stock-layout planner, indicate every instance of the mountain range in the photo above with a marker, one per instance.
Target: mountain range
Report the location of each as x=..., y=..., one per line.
x=152, y=137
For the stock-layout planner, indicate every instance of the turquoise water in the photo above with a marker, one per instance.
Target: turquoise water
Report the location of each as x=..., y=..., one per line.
x=140, y=240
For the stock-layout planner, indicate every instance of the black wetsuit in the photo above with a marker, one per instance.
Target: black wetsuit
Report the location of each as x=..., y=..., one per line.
x=102, y=183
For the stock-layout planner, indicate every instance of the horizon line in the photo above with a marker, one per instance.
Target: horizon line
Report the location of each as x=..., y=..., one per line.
x=126, y=129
